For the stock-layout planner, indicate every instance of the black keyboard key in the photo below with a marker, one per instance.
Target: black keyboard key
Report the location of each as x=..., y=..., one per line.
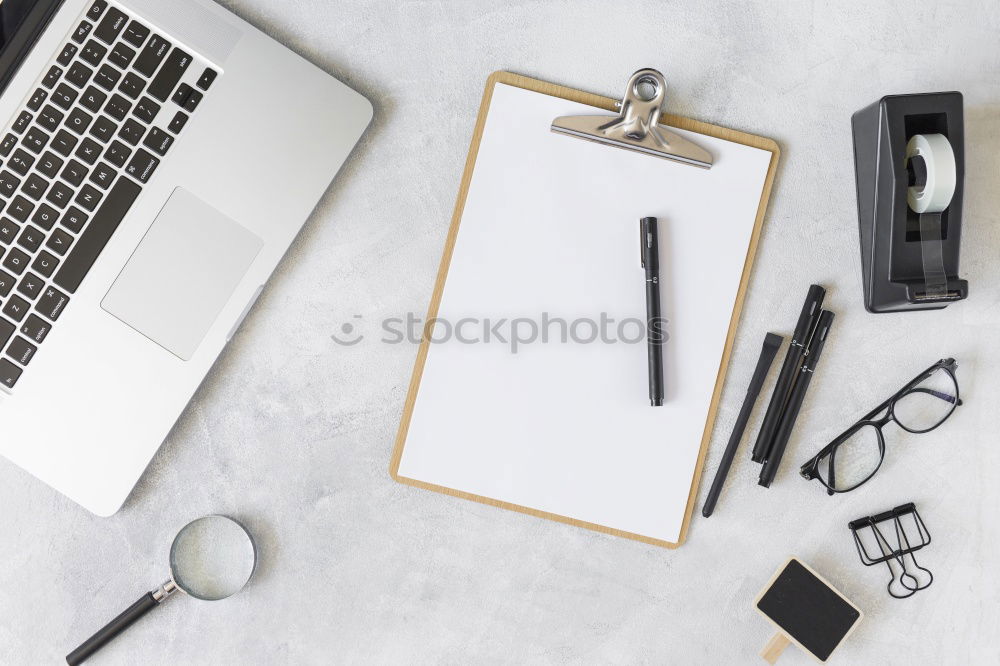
x=132, y=131
x=45, y=264
x=52, y=303
x=16, y=308
x=66, y=56
x=79, y=121
x=88, y=197
x=37, y=99
x=82, y=31
x=93, y=53
x=7, y=145
x=207, y=78
x=136, y=34
x=22, y=122
x=146, y=110
x=30, y=286
x=74, y=219
x=79, y=74
x=111, y=26
x=31, y=238
x=132, y=85
x=170, y=75
x=193, y=100
x=180, y=97
x=64, y=96
x=96, y=9
x=76, y=266
x=158, y=141
x=16, y=261
x=107, y=77
x=49, y=165
x=74, y=173
x=103, y=175
x=151, y=56
x=59, y=242
x=118, y=107
x=45, y=216
x=89, y=151
x=8, y=232
x=34, y=187
x=21, y=162
x=93, y=99
x=103, y=129
x=35, y=140
x=21, y=351
x=6, y=331
x=142, y=166
x=8, y=183
x=20, y=208
x=6, y=284
x=60, y=195
x=178, y=123
x=117, y=153
x=50, y=118
x=35, y=329
x=121, y=56
x=9, y=373
x=64, y=143
x=52, y=77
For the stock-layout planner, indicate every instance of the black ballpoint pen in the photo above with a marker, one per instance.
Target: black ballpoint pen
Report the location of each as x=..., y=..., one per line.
x=784, y=432
x=654, y=324
x=789, y=373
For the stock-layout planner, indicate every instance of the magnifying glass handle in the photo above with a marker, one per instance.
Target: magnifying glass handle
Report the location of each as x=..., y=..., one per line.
x=146, y=603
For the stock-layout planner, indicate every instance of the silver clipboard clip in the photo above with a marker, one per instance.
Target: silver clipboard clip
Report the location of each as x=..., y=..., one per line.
x=637, y=127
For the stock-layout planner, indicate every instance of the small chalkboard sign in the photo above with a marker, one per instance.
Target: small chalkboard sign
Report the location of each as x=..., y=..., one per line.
x=807, y=611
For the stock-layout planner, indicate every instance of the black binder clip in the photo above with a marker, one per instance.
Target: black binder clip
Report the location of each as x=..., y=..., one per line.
x=909, y=161
x=906, y=535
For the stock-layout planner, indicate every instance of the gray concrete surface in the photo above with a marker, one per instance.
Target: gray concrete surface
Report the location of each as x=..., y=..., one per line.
x=292, y=433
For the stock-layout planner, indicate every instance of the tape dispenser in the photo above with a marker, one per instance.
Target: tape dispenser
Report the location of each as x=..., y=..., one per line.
x=909, y=161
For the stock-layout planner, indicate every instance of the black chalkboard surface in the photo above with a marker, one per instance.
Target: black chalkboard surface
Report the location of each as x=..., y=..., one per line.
x=808, y=610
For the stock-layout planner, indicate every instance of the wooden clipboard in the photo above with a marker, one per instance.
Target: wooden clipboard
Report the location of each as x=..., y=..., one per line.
x=609, y=105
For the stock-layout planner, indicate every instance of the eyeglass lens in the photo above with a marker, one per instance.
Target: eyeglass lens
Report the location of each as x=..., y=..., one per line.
x=853, y=461
x=928, y=403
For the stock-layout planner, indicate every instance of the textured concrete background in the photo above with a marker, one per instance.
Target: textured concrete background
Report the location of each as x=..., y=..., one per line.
x=292, y=433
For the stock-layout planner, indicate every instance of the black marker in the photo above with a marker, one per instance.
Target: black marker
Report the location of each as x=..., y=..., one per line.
x=816, y=342
x=790, y=372
x=654, y=324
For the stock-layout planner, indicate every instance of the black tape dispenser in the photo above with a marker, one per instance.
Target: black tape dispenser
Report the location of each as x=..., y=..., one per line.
x=909, y=161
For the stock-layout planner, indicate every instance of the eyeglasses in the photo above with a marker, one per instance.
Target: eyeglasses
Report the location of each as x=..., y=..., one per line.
x=855, y=456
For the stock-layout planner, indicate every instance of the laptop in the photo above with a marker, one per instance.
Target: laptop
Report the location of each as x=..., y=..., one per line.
x=156, y=161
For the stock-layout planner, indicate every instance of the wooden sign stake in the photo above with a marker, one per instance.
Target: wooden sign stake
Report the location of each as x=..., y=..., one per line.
x=775, y=647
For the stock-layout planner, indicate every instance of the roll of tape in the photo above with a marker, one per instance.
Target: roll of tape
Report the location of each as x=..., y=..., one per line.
x=936, y=193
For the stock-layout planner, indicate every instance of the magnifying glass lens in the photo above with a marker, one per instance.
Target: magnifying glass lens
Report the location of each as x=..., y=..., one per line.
x=212, y=558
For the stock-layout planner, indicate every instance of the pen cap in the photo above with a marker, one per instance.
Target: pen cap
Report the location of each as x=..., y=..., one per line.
x=810, y=310
x=649, y=239
x=822, y=331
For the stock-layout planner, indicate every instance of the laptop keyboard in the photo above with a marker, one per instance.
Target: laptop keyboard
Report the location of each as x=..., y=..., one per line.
x=101, y=119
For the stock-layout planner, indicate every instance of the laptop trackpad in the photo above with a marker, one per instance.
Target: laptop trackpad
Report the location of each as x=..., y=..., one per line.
x=182, y=274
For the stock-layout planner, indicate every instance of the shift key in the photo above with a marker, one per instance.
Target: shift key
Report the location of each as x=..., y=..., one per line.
x=170, y=75
x=151, y=56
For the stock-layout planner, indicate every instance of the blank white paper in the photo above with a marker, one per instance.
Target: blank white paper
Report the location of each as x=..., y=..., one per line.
x=551, y=225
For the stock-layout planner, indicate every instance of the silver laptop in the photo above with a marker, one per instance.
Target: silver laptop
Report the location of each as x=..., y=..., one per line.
x=158, y=158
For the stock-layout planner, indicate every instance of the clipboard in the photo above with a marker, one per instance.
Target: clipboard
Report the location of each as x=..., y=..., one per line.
x=402, y=465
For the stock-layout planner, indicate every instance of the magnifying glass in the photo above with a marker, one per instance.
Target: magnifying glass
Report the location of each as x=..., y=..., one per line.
x=211, y=558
